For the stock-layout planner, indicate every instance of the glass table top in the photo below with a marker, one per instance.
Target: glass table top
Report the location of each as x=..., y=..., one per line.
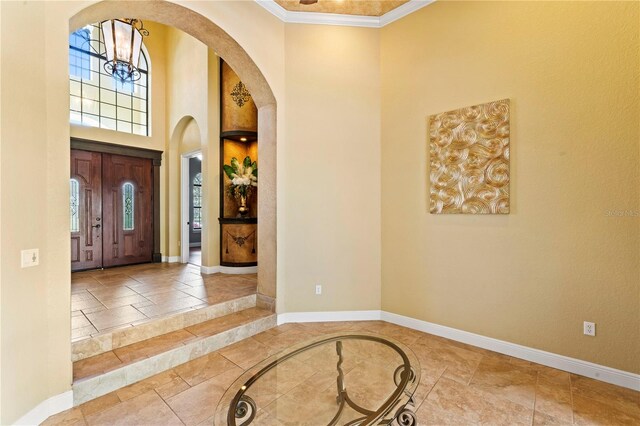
x=338, y=379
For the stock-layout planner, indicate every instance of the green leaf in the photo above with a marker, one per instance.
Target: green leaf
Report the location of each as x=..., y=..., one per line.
x=247, y=161
x=228, y=170
x=235, y=164
x=255, y=172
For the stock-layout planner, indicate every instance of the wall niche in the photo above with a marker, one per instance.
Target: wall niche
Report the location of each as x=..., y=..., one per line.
x=239, y=141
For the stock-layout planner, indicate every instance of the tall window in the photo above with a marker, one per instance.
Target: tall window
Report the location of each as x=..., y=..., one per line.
x=96, y=98
x=128, y=208
x=197, y=201
x=74, y=202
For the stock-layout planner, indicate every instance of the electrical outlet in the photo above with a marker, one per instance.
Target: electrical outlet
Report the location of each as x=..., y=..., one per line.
x=589, y=328
x=318, y=289
x=29, y=258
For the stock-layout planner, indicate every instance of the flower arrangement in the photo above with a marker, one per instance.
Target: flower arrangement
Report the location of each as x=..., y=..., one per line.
x=244, y=177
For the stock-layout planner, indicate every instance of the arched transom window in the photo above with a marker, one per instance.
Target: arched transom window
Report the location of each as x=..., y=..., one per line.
x=96, y=98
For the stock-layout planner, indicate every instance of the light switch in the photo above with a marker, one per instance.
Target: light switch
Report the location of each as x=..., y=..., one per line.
x=30, y=257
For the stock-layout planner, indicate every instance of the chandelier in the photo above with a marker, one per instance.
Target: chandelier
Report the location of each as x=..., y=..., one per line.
x=123, y=41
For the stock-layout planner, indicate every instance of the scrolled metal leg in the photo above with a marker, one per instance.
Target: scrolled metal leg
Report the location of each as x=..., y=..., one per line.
x=246, y=410
x=406, y=417
x=399, y=374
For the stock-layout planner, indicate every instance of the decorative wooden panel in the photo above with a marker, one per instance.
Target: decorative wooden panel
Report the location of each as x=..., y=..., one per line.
x=239, y=112
x=239, y=244
x=469, y=160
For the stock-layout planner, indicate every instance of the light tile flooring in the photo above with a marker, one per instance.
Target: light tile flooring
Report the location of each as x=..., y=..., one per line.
x=104, y=300
x=125, y=355
x=460, y=384
x=195, y=256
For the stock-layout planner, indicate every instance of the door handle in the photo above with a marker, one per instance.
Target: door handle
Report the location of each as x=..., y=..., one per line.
x=96, y=226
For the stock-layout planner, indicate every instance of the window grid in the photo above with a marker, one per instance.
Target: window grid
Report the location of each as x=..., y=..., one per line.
x=197, y=201
x=129, y=110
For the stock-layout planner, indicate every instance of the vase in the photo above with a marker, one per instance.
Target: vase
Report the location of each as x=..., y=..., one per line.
x=243, y=209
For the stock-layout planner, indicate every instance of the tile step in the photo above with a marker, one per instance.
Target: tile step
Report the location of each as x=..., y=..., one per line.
x=115, y=339
x=112, y=370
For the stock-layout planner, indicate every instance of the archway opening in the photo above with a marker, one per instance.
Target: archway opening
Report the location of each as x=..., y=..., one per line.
x=230, y=51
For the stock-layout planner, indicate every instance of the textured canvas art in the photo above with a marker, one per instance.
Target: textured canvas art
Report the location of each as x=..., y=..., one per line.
x=469, y=160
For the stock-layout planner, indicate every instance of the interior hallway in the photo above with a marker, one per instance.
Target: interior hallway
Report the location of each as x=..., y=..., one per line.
x=105, y=300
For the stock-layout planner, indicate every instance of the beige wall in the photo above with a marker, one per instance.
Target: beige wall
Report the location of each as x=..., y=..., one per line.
x=190, y=73
x=532, y=277
x=22, y=228
x=329, y=178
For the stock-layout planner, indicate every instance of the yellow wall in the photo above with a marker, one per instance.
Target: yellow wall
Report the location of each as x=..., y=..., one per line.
x=532, y=277
x=35, y=301
x=329, y=176
x=189, y=75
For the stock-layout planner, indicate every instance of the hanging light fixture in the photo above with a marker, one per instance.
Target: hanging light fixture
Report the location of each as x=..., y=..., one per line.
x=123, y=42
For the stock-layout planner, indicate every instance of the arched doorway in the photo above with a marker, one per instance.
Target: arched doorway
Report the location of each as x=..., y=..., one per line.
x=228, y=49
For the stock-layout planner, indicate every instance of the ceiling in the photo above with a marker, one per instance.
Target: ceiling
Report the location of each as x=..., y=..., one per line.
x=344, y=7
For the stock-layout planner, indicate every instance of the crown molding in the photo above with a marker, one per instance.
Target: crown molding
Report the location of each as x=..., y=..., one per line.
x=342, y=20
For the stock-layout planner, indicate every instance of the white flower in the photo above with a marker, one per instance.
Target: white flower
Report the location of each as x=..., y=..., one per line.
x=241, y=181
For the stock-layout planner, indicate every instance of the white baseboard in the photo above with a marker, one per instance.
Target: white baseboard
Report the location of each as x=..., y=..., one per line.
x=170, y=259
x=209, y=269
x=239, y=270
x=561, y=362
x=328, y=316
x=49, y=407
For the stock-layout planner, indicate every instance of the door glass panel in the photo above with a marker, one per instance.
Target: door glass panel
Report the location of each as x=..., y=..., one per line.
x=197, y=201
x=74, y=190
x=127, y=206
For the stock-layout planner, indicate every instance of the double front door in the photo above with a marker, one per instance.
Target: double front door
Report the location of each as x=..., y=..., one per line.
x=111, y=210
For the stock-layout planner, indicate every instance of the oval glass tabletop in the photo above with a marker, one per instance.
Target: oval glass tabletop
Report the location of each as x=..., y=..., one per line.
x=338, y=379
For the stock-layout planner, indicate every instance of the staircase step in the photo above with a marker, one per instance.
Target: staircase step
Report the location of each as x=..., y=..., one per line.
x=115, y=339
x=100, y=374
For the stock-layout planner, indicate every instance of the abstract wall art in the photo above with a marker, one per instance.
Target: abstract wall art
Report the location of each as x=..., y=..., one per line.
x=469, y=160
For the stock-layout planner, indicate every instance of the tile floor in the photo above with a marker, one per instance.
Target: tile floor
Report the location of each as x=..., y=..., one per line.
x=125, y=355
x=195, y=256
x=460, y=384
x=104, y=300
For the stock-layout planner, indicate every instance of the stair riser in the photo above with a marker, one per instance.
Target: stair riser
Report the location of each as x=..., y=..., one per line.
x=109, y=341
x=94, y=387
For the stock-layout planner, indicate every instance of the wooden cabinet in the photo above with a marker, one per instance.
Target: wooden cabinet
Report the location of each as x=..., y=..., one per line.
x=238, y=139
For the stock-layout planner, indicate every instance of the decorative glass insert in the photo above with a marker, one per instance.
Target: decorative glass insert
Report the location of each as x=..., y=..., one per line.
x=128, y=207
x=74, y=202
x=197, y=201
x=96, y=98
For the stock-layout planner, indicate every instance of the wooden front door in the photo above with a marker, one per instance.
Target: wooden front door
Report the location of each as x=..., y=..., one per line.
x=111, y=210
x=127, y=189
x=86, y=210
